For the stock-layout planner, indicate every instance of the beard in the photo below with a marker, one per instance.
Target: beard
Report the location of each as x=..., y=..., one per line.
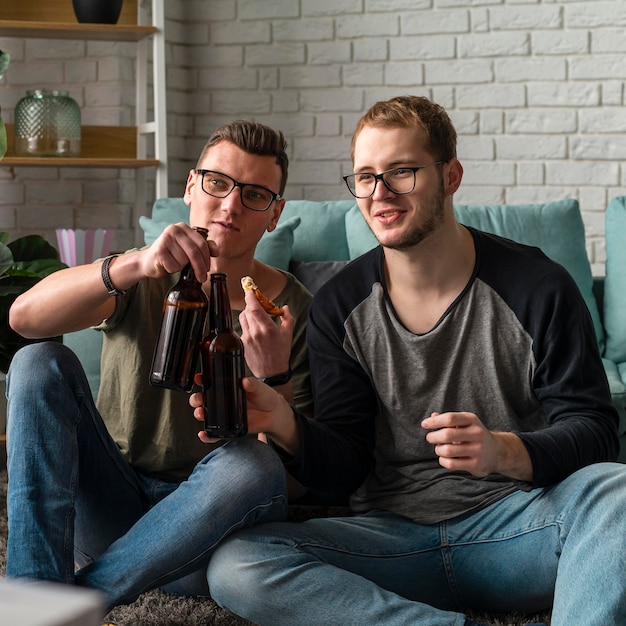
x=432, y=212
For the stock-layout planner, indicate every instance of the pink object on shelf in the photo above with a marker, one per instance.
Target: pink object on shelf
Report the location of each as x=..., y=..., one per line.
x=78, y=246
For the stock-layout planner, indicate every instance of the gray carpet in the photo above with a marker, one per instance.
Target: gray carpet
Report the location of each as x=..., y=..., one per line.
x=160, y=609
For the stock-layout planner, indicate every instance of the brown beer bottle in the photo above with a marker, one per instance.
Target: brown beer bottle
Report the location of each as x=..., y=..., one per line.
x=223, y=368
x=177, y=349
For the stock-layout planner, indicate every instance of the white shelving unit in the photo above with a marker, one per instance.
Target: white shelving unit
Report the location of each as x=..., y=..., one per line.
x=141, y=21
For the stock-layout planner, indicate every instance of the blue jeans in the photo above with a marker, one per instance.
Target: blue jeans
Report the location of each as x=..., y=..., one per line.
x=72, y=497
x=564, y=545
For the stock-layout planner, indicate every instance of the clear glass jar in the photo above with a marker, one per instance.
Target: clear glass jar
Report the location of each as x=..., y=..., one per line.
x=47, y=123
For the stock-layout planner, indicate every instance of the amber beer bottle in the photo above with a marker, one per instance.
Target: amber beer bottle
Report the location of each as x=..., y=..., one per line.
x=223, y=368
x=177, y=349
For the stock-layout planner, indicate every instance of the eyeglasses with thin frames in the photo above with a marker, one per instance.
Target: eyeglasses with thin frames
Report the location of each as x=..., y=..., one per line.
x=400, y=180
x=253, y=197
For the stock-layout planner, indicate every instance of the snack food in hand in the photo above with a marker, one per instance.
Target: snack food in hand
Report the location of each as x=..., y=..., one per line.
x=248, y=285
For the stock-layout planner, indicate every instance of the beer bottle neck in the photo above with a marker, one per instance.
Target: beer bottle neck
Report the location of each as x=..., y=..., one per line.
x=220, y=312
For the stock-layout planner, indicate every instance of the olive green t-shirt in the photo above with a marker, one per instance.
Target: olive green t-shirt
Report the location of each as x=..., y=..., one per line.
x=154, y=427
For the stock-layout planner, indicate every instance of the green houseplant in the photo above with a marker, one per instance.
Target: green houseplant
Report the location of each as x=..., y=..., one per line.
x=23, y=262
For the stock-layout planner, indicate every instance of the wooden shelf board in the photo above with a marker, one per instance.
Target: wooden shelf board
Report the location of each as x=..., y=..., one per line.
x=101, y=146
x=49, y=30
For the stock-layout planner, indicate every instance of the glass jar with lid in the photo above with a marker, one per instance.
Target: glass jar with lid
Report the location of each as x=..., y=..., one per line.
x=47, y=123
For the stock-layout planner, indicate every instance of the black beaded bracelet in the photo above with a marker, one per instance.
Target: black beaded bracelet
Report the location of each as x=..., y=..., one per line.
x=106, y=279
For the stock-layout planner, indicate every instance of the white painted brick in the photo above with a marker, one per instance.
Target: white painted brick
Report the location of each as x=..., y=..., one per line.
x=373, y=6
x=538, y=195
x=215, y=78
x=235, y=103
x=330, y=7
x=599, y=148
x=360, y=74
x=446, y=4
x=576, y=94
x=268, y=78
x=255, y=10
x=339, y=100
x=327, y=125
x=434, y=22
x=491, y=95
x=465, y=122
x=479, y=20
x=530, y=173
x=82, y=71
x=612, y=92
x=608, y=40
x=560, y=42
x=53, y=49
x=480, y=173
x=404, y=74
x=443, y=95
x=465, y=71
x=309, y=30
x=491, y=122
x=218, y=10
x=531, y=147
x=8, y=219
x=368, y=26
x=278, y=54
x=580, y=173
x=370, y=49
x=423, y=47
x=285, y=101
x=595, y=14
x=540, y=121
x=324, y=53
x=475, y=149
x=598, y=67
x=493, y=45
x=182, y=33
x=39, y=74
x=304, y=77
x=312, y=171
x=240, y=32
x=525, y=17
x=479, y=194
x=218, y=56
x=530, y=69
x=322, y=148
x=603, y=120
x=593, y=199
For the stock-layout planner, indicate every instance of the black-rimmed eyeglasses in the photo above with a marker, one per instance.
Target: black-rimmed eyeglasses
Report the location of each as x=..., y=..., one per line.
x=253, y=197
x=400, y=180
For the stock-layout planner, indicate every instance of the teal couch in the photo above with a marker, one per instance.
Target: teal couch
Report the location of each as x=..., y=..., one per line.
x=315, y=239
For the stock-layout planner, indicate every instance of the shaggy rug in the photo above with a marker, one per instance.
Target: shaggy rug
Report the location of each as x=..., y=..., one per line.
x=157, y=608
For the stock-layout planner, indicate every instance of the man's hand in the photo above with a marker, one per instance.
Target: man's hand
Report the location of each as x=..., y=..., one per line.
x=462, y=442
x=267, y=345
x=268, y=412
x=177, y=246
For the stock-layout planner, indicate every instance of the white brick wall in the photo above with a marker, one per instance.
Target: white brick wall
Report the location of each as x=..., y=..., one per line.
x=536, y=89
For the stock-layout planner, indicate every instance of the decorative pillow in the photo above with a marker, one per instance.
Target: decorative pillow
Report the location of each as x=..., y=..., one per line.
x=360, y=238
x=322, y=234
x=274, y=248
x=555, y=227
x=314, y=274
x=615, y=281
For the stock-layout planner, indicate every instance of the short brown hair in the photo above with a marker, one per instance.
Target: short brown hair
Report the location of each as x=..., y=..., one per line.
x=410, y=112
x=253, y=138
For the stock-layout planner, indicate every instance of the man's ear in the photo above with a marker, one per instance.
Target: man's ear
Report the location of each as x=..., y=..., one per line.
x=191, y=181
x=277, y=210
x=452, y=175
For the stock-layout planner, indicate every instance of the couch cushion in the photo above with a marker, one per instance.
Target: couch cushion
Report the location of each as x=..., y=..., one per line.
x=274, y=248
x=615, y=281
x=313, y=274
x=360, y=238
x=321, y=235
x=555, y=227
x=87, y=345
